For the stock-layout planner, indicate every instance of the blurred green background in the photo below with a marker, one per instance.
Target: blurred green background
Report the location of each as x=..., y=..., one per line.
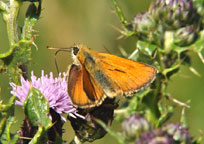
x=64, y=23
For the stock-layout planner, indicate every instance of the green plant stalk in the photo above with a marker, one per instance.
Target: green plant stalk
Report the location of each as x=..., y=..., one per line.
x=119, y=12
x=151, y=100
x=12, y=22
x=39, y=137
x=123, y=20
x=7, y=121
x=10, y=17
x=16, y=59
x=161, y=82
x=158, y=92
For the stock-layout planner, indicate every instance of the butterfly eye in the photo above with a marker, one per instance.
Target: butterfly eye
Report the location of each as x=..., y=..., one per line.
x=75, y=50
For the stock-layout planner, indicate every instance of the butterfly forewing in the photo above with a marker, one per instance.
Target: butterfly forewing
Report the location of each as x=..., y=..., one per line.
x=127, y=74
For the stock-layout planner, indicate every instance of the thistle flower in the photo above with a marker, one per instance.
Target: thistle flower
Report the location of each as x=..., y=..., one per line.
x=146, y=28
x=136, y=128
x=185, y=35
x=53, y=89
x=143, y=22
x=174, y=14
x=155, y=137
x=178, y=132
x=134, y=125
x=171, y=133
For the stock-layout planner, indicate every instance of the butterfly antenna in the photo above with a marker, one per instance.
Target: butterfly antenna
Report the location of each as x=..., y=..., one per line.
x=56, y=61
x=59, y=50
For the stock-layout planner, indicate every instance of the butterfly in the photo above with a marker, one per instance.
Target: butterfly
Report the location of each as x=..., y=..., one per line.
x=94, y=76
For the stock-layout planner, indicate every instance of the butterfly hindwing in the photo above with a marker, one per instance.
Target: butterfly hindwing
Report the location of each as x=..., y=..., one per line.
x=82, y=92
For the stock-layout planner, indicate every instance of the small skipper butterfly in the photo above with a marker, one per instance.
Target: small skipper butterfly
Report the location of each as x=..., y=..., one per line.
x=93, y=76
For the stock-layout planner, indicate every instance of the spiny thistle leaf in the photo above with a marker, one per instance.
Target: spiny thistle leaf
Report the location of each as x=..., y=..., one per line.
x=36, y=107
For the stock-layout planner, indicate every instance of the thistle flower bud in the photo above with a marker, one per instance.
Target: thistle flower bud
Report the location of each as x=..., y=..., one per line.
x=178, y=132
x=174, y=14
x=146, y=28
x=134, y=125
x=155, y=137
x=169, y=134
x=143, y=22
x=185, y=35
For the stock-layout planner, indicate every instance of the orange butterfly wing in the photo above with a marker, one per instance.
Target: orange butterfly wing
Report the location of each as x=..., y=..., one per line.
x=128, y=75
x=82, y=89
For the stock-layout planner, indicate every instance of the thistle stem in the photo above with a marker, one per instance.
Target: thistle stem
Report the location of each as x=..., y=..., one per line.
x=10, y=16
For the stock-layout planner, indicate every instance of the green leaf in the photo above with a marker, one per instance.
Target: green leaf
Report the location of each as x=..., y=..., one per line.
x=147, y=47
x=36, y=107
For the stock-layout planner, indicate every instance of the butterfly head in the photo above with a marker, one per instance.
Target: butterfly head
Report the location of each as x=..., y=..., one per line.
x=75, y=50
x=75, y=54
x=79, y=53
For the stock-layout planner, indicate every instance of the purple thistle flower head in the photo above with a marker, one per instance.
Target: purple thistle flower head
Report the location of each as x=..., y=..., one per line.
x=178, y=132
x=174, y=14
x=53, y=89
x=134, y=125
x=157, y=136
